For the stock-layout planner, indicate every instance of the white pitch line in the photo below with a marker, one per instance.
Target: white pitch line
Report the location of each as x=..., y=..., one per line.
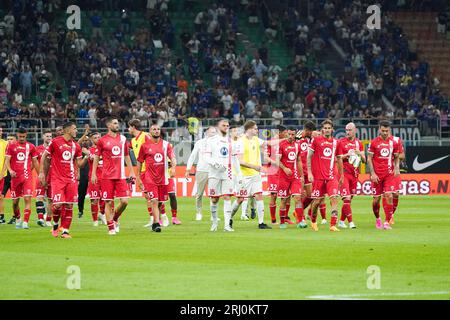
x=359, y=296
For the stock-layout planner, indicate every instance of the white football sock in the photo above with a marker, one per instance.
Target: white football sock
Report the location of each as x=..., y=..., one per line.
x=227, y=211
x=260, y=210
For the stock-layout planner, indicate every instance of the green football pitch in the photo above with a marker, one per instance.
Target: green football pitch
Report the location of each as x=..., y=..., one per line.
x=190, y=262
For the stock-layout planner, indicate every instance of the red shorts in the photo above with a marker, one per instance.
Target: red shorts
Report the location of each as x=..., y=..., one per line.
x=398, y=182
x=21, y=187
x=171, y=186
x=349, y=186
x=385, y=185
x=272, y=183
x=64, y=191
x=94, y=191
x=322, y=187
x=114, y=188
x=154, y=191
x=41, y=191
x=289, y=187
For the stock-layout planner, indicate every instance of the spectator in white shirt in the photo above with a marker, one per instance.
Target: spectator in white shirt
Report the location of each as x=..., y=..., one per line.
x=277, y=116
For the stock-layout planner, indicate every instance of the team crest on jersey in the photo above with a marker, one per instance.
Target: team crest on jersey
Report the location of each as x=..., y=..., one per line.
x=304, y=146
x=327, y=152
x=66, y=155
x=224, y=151
x=384, y=152
x=21, y=156
x=115, y=150
x=291, y=155
x=158, y=157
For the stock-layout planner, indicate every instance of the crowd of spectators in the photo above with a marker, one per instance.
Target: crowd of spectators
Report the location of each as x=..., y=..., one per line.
x=109, y=75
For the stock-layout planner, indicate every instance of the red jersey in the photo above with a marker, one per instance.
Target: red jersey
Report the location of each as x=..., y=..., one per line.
x=289, y=155
x=272, y=151
x=383, y=155
x=399, y=142
x=92, y=152
x=113, y=151
x=63, y=154
x=39, y=151
x=156, y=157
x=303, y=145
x=323, y=162
x=343, y=147
x=21, y=158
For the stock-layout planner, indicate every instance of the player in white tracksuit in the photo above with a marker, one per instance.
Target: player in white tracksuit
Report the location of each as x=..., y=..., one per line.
x=219, y=156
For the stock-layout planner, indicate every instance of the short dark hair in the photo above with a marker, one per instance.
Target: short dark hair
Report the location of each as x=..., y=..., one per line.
x=281, y=128
x=222, y=119
x=93, y=133
x=249, y=124
x=110, y=119
x=135, y=123
x=233, y=126
x=68, y=125
x=385, y=123
x=292, y=128
x=21, y=130
x=309, y=125
x=327, y=121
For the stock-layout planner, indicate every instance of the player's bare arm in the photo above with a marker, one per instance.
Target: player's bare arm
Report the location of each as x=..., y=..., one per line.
x=35, y=165
x=8, y=166
x=173, y=166
x=94, y=169
x=340, y=166
x=130, y=165
x=282, y=167
x=300, y=167
x=310, y=175
x=138, y=178
x=373, y=175
x=43, y=168
x=396, y=164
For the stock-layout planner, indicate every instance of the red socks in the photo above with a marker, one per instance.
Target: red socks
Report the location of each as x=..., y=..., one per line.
x=163, y=208
x=26, y=215
x=323, y=210
x=110, y=225
x=334, y=218
x=149, y=209
x=174, y=213
x=376, y=209
x=387, y=210
x=299, y=214
x=94, y=211
x=346, y=211
x=394, y=204
x=283, y=216
x=17, y=213
x=273, y=212
x=102, y=206
x=56, y=214
x=66, y=220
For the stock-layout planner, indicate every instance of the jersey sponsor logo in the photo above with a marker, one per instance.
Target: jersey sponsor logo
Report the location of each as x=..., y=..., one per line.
x=158, y=157
x=67, y=155
x=291, y=155
x=327, y=152
x=384, y=152
x=21, y=156
x=304, y=146
x=224, y=151
x=115, y=150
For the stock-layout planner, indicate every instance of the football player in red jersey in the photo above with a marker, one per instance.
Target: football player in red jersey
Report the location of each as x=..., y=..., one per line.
x=398, y=179
x=21, y=158
x=42, y=192
x=113, y=149
x=322, y=172
x=290, y=177
x=383, y=163
x=156, y=153
x=350, y=153
x=63, y=153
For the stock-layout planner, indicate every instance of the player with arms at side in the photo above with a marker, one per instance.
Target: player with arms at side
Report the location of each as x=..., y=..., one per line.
x=114, y=150
x=95, y=190
x=383, y=163
x=350, y=153
x=201, y=170
x=219, y=156
x=322, y=173
x=248, y=151
x=155, y=153
x=42, y=192
x=63, y=153
x=290, y=178
x=21, y=158
x=398, y=179
x=3, y=172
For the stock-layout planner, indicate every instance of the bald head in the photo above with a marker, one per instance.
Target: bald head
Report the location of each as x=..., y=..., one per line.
x=350, y=131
